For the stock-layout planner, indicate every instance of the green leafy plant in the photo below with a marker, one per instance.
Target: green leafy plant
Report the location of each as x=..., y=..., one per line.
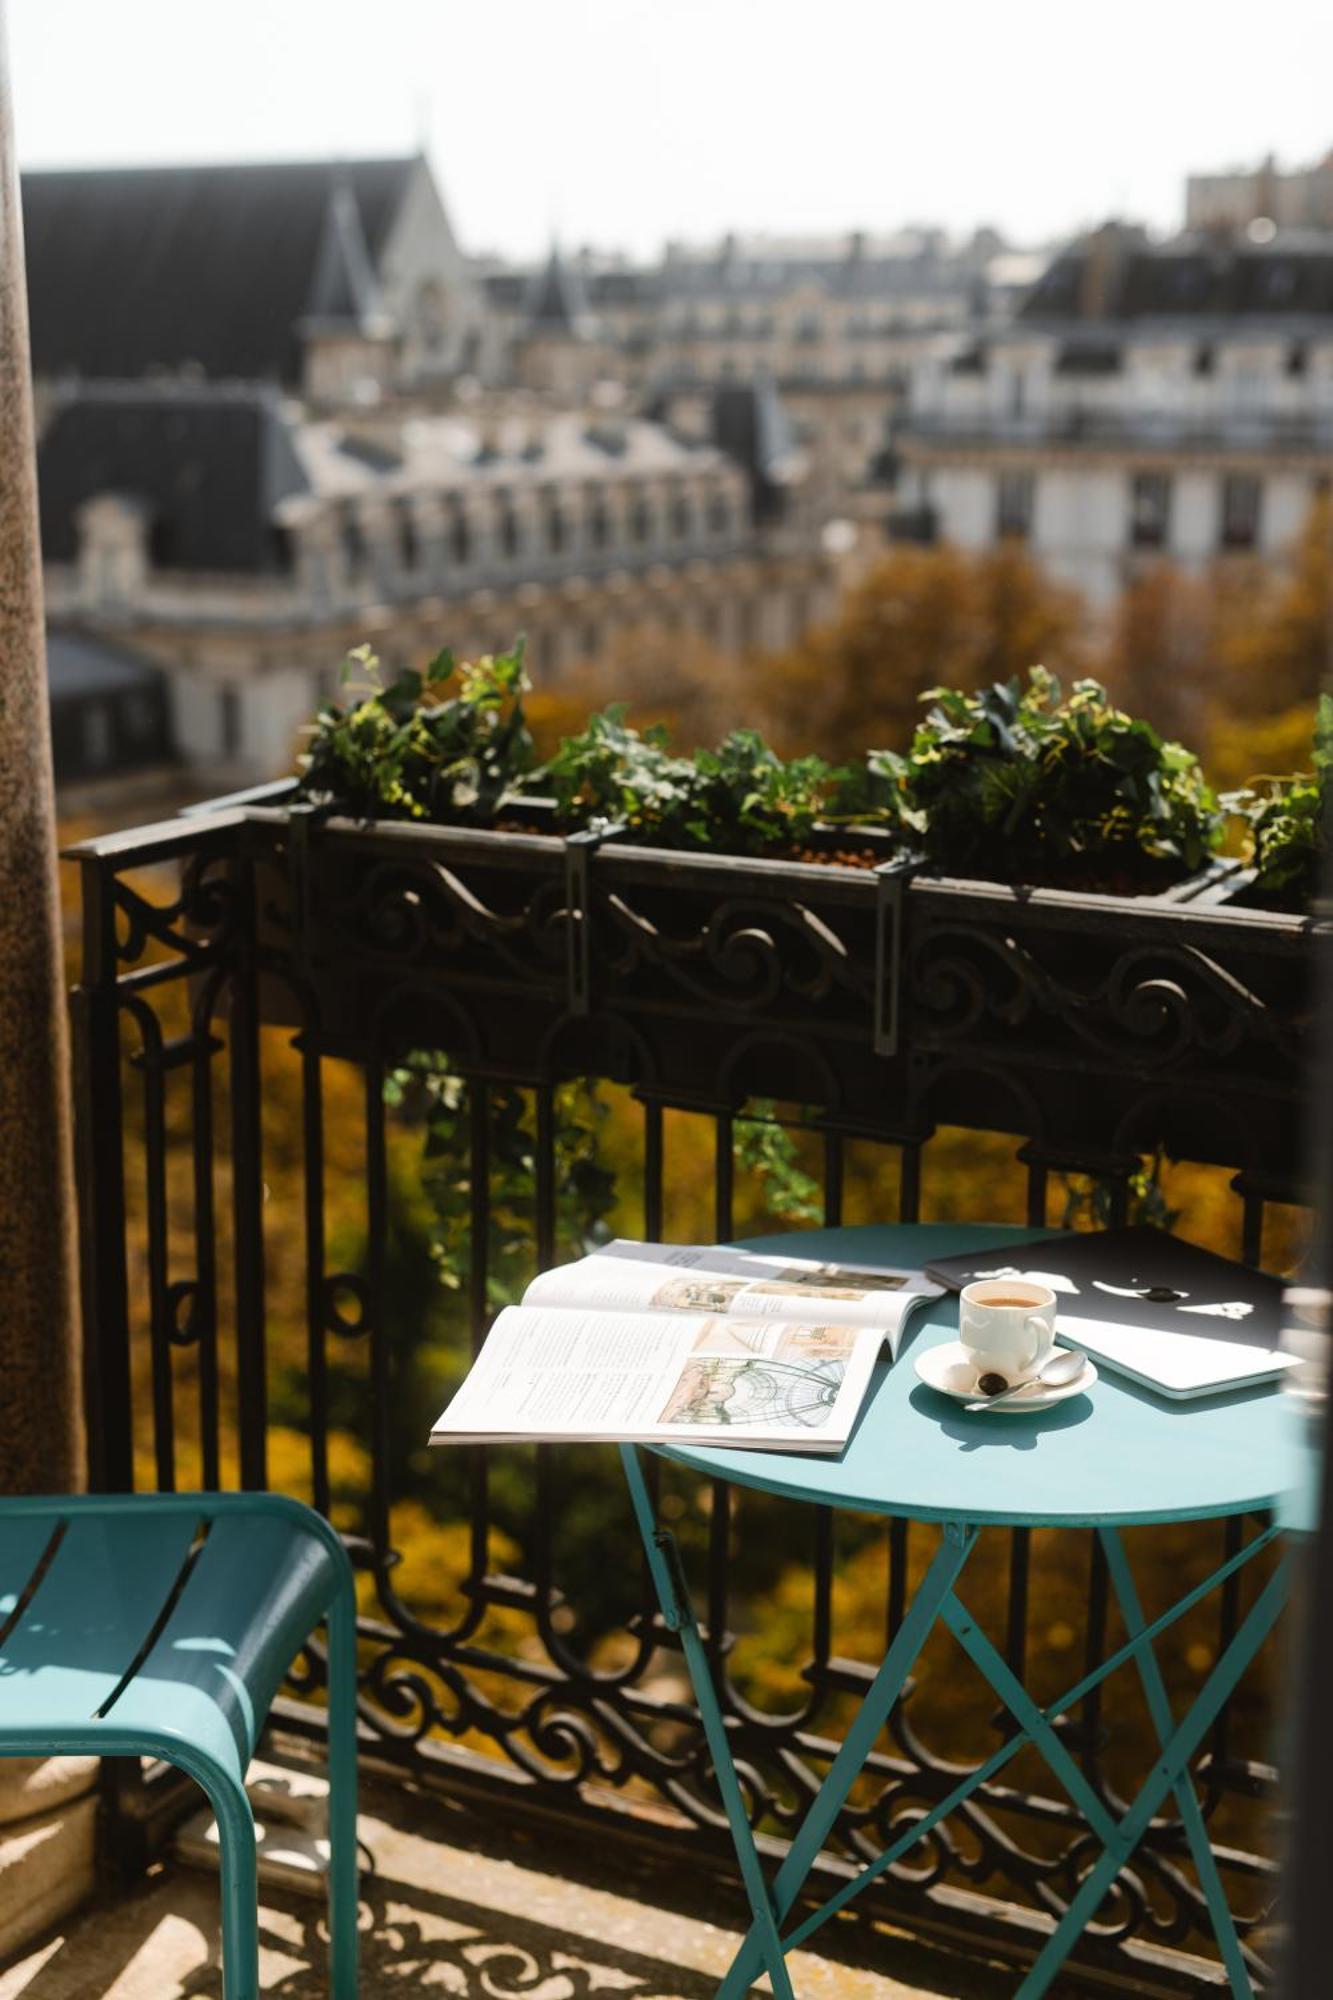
x=1091, y=1202
x=612, y=772
x=426, y=1087
x=765, y=1148
x=741, y=798
x=1025, y=784
x=443, y=745
x=1288, y=822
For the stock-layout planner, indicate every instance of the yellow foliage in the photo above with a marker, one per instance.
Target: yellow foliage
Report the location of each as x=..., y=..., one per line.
x=923, y=617
x=1242, y=749
x=1275, y=632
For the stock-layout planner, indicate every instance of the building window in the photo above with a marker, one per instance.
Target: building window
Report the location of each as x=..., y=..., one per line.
x=432, y=316
x=1149, y=510
x=641, y=521
x=1014, y=493
x=511, y=539
x=353, y=545
x=682, y=517
x=555, y=531
x=460, y=538
x=229, y=721
x=409, y=547
x=719, y=514
x=139, y=717
x=97, y=736
x=1241, y=503
x=599, y=525
x=163, y=543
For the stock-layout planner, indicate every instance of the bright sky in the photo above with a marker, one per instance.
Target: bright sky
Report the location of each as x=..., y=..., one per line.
x=623, y=122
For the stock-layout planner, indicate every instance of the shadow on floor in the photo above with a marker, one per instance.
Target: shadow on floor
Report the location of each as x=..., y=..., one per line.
x=413, y=1941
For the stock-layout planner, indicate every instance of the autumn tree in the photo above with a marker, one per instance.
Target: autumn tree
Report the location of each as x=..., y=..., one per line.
x=1158, y=657
x=1275, y=625
x=662, y=674
x=923, y=617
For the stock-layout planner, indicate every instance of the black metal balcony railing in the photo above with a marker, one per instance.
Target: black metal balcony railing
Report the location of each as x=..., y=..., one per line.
x=225, y=952
x=1120, y=429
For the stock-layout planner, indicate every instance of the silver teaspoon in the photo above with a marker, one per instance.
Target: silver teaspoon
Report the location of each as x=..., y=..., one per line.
x=1064, y=1365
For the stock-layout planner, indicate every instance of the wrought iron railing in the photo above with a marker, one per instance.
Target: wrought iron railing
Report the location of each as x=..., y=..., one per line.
x=244, y=963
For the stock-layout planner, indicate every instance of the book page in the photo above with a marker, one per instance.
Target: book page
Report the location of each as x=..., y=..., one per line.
x=689, y=1278
x=553, y=1373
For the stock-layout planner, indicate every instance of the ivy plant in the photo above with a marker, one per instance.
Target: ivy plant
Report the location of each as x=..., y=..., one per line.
x=1288, y=823
x=1023, y=783
x=443, y=745
x=611, y=772
x=741, y=798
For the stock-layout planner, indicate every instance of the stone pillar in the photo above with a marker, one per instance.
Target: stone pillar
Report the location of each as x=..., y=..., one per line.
x=41, y=1443
x=46, y=1805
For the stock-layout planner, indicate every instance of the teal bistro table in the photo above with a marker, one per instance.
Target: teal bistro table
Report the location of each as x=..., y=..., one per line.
x=1115, y=1458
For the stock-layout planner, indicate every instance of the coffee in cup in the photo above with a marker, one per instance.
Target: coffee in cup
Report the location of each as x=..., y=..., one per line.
x=1007, y=1326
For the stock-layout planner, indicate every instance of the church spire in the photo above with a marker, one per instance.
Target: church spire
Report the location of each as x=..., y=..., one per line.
x=343, y=289
x=556, y=304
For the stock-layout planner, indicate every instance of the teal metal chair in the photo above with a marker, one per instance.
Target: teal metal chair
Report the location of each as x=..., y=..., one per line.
x=161, y=1625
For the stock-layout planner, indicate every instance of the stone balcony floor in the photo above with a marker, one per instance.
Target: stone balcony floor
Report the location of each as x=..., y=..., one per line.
x=455, y=1906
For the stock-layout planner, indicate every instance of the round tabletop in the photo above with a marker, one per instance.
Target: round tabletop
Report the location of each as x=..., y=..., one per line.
x=1115, y=1455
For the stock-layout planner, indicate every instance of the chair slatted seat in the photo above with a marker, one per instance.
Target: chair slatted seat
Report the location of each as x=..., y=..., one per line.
x=162, y=1625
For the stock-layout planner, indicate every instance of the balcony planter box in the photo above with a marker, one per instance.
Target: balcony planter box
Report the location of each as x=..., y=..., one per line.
x=889, y=999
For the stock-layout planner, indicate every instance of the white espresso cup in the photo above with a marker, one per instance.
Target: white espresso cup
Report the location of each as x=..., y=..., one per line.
x=1007, y=1326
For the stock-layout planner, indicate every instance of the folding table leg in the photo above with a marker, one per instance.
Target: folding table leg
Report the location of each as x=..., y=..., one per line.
x=677, y=1609
x=1166, y=1774
x=858, y=1743
x=1036, y=1727
x=1191, y=1813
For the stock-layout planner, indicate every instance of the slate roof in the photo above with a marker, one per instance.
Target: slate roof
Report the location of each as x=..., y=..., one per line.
x=1197, y=276
x=135, y=268
x=78, y=665
x=343, y=290
x=908, y=265
x=750, y=425
x=556, y=303
x=450, y=454
x=209, y=466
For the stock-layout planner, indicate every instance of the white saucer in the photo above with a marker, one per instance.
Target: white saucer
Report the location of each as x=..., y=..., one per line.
x=951, y=1370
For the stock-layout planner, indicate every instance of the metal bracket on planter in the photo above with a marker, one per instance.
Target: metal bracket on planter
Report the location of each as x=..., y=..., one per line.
x=891, y=879
x=579, y=850
x=302, y=817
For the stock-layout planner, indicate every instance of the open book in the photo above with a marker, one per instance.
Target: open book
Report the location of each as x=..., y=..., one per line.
x=670, y=1343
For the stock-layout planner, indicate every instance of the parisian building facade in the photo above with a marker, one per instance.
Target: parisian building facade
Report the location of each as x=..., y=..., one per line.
x=1149, y=401
x=249, y=464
